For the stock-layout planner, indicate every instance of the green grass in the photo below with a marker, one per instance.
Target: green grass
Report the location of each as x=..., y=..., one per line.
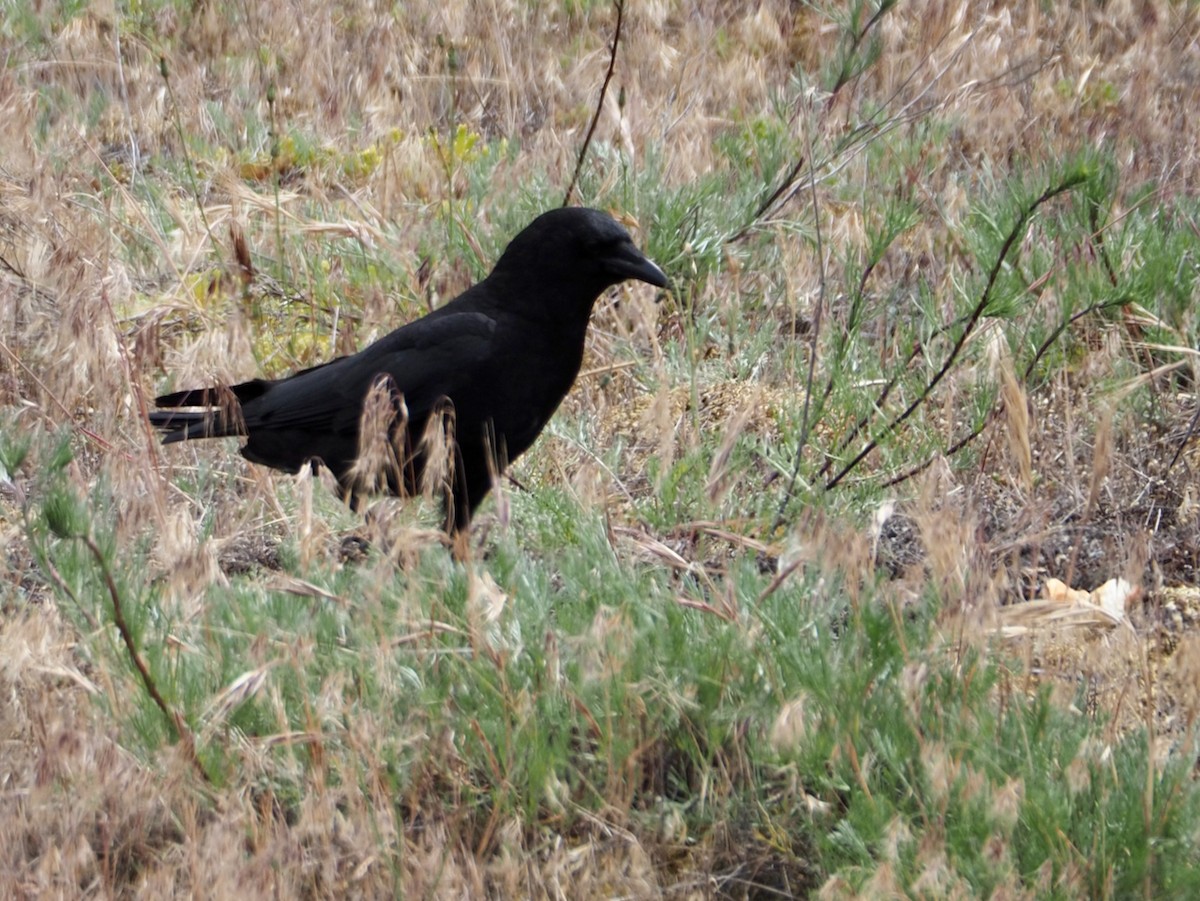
x=596, y=689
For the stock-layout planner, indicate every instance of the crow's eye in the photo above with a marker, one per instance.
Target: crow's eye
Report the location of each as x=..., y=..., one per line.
x=606, y=247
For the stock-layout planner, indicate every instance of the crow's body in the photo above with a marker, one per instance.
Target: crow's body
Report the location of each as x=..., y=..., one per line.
x=498, y=359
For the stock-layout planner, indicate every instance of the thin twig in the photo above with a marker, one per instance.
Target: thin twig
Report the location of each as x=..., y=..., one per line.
x=57, y=578
x=788, y=184
x=916, y=351
x=818, y=317
x=1187, y=436
x=183, y=149
x=83, y=430
x=780, y=578
x=612, y=64
x=949, y=452
x=174, y=719
x=978, y=430
x=1010, y=241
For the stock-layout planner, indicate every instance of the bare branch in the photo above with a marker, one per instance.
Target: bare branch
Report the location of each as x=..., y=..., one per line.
x=612, y=65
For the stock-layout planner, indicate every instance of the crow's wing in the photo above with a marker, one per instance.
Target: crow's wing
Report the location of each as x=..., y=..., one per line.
x=426, y=360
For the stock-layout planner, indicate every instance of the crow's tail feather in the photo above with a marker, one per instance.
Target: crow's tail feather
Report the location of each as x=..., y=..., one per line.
x=222, y=418
x=193, y=397
x=220, y=395
x=181, y=426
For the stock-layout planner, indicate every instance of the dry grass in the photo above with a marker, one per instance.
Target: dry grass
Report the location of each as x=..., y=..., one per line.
x=120, y=267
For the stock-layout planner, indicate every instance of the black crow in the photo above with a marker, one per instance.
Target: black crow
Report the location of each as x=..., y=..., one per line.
x=481, y=376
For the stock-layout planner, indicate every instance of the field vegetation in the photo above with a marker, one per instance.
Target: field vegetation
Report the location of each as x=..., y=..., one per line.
x=765, y=613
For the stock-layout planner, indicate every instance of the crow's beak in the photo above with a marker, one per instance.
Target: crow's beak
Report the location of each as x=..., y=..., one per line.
x=630, y=262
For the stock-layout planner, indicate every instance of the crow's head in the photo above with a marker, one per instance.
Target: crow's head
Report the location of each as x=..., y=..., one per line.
x=576, y=251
